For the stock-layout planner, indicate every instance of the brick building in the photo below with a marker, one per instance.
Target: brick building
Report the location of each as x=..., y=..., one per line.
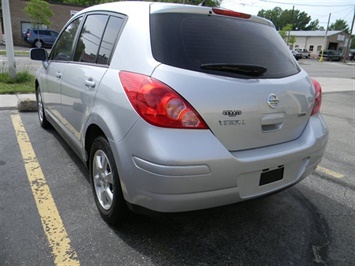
x=21, y=22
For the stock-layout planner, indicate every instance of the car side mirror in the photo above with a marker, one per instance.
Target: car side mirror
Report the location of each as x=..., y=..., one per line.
x=39, y=54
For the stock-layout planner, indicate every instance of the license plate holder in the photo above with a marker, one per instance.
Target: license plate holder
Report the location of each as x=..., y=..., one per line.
x=270, y=176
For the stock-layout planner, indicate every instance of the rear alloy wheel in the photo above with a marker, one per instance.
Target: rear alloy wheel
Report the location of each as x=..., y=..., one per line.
x=40, y=110
x=38, y=44
x=106, y=184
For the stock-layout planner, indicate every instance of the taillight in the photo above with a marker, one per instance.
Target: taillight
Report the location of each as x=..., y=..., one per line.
x=318, y=97
x=158, y=104
x=230, y=13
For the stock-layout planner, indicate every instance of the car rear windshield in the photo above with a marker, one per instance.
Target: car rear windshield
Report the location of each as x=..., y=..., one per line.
x=194, y=41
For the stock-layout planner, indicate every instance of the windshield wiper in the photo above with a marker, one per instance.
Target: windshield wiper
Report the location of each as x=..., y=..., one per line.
x=245, y=69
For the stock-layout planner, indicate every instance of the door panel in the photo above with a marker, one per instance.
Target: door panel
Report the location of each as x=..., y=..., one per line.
x=51, y=88
x=78, y=92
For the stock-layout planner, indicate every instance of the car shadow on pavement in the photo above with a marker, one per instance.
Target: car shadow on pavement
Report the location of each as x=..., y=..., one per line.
x=276, y=230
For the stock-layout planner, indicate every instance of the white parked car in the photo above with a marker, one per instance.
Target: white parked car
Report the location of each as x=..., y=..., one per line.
x=177, y=108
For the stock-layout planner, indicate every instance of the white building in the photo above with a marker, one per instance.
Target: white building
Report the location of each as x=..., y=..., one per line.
x=315, y=41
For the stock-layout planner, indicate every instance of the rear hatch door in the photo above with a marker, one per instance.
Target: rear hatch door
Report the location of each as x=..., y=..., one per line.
x=245, y=114
x=235, y=70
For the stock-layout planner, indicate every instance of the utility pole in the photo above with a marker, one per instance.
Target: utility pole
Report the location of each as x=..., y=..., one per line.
x=325, y=39
x=350, y=38
x=288, y=35
x=8, y=38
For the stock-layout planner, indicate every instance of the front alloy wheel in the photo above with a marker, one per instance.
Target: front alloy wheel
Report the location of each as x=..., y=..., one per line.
x=40, y=109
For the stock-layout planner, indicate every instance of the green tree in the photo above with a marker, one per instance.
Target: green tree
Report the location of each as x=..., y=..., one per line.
x=300, y=19
x=39, y=12
x=83, y=2
x=281, y=18
x=314, y=25
x=340, y=24
x=285, y=34
x=291, y=40
x=273, y=15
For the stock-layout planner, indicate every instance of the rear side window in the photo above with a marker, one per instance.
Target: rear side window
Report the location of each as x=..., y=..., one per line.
x=190, y=41
x=90, y=38
x=108, y=41
x=44, y=32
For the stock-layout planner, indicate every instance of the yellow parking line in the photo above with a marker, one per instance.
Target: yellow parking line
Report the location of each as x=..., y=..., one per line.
x=329, y=172
x=52, y=223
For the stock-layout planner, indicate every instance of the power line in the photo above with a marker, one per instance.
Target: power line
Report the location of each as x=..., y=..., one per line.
x=299, y=4
x=335, y=12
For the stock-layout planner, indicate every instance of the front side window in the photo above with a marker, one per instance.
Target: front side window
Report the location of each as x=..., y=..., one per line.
x=64, y=46
x=90, y=39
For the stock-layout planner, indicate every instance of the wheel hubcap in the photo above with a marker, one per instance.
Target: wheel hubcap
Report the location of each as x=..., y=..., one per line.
x=40, y=107
x=103, y=179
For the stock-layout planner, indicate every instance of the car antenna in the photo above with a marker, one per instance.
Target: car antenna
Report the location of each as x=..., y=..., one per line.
x=203, y=3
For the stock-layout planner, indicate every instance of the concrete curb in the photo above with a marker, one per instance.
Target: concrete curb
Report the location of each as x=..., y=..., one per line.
x=20, y=102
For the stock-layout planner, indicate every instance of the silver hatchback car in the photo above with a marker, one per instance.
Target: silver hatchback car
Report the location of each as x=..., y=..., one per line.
x=177, y=108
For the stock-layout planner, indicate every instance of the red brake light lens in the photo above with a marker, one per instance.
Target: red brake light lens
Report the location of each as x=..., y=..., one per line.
x=230, y=13
x=318, y=97
x=158, y=104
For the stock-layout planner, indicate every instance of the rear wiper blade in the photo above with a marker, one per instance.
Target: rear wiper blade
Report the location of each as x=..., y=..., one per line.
x=245, y=69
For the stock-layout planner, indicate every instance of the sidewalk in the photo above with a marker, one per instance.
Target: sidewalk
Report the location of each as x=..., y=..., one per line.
x=23, y=102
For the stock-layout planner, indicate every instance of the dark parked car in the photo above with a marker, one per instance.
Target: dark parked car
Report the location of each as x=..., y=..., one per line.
x=330, y=55
x=297, y=55
x=40, y=38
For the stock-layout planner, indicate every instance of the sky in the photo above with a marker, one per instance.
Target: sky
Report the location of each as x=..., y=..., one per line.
x=341, y=9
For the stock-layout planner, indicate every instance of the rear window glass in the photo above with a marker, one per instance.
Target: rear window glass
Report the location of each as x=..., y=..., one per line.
x=191, y=40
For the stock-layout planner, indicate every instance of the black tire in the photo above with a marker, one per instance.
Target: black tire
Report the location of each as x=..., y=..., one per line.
x=40, y=110
x=38, y=44
x=105, y=182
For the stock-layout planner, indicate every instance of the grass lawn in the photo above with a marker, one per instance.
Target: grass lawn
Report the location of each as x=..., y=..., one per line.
x=17, y=53
x=23, y=83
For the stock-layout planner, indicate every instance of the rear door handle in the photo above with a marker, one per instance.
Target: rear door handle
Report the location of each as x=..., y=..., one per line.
x=58, y=75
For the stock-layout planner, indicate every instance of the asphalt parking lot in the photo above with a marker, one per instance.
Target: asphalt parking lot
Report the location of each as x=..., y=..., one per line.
x=310, y=223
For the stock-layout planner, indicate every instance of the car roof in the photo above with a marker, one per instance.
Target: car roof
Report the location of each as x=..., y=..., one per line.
x=130, y=8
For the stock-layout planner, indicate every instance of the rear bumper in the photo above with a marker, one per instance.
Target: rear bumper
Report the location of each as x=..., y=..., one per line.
x=169, y=170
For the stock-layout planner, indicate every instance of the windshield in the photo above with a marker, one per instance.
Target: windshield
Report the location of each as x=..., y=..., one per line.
x=190, y=41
